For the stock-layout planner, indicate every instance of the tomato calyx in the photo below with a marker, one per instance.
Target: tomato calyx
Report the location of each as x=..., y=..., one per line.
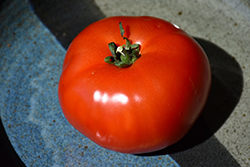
x=124, y=55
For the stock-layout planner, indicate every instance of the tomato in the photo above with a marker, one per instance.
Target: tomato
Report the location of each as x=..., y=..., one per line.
x=146, y=106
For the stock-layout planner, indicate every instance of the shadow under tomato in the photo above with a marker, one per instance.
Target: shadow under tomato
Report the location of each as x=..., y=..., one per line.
x=226, y=89
x=66, y=19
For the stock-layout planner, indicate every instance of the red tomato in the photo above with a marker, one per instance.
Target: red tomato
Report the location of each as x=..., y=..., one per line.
x=142, y=108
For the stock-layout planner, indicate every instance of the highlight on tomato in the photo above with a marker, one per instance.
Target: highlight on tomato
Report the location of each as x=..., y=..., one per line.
x=134, y=84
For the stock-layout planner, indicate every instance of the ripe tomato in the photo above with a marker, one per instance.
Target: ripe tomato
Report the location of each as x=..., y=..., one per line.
x=142, y=108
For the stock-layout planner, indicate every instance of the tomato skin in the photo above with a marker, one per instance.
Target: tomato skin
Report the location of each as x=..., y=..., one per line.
x=142, y=108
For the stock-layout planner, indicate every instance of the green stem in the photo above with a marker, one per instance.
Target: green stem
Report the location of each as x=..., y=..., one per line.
x=125, y=55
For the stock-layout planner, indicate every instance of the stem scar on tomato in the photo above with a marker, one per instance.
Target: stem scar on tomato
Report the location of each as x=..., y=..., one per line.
x=124, y=55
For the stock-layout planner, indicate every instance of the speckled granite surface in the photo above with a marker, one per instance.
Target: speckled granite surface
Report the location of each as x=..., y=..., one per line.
x=30, y=64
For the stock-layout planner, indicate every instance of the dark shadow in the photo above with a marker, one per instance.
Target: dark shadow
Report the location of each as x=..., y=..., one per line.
x=226, y=89
x=8, y=156
x=210, y=153
x=64, y=18
x=2, y=4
